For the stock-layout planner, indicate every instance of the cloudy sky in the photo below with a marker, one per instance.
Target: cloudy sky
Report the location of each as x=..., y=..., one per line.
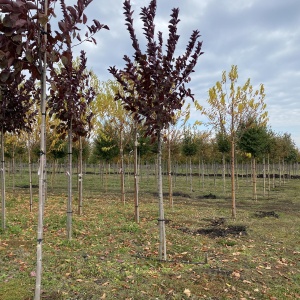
x=261, y=37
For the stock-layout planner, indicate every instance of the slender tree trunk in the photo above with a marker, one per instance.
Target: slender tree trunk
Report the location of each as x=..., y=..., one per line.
x=203, y=175
x=170, y=172
x=42, y=174
x=70, y=172
x=254, y=179
x=280, y=171
x=199, y=173
x=80, y=179
x=186, y=172
x=215, y=168
x=3, y=200
x=161, y=221
x=237, y=183
x=53, y=173
x=233, y=211
x=274, y=175
x=283, y=171
x=191, y=177
x=136, y=179
x=223, y=173
x=13, y=168
x=264, y=175
x=269, y=176
x=30, y=175
x=122, y=168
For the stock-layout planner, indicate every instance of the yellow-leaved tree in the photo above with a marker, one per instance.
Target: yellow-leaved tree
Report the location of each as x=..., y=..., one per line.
x=228, y=106
x=112, y=112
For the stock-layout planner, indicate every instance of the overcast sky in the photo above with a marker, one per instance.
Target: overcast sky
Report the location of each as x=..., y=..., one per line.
x=261, y=37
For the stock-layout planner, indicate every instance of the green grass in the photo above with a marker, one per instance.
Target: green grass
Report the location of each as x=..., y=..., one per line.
x=112, y=257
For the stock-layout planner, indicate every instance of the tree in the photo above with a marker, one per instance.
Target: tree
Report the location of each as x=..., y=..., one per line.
x=253, y=138
x=158, y=81
x=189, y=149
x=106, y=144
x=109, y=110
x=70, y=103
x=227, y=110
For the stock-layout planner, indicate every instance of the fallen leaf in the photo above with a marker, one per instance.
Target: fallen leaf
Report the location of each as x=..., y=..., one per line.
x=187, y=292
x=236, y=274
x=247, y=281
x=32, y=274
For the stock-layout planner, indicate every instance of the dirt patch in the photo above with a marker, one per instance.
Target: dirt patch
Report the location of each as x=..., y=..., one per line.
x=214, y=232
x=208, y=196
x=218, y=222
x=265, y=214
x=180, y=194
x=27, y=186
x=175, y=194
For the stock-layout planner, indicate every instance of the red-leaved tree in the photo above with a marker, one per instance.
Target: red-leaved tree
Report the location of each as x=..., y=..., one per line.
x=159, y=79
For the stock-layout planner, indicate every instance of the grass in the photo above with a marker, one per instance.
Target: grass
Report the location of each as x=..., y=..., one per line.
x=112, y=257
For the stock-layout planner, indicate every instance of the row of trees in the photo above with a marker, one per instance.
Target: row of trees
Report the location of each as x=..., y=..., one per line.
x=185, y=143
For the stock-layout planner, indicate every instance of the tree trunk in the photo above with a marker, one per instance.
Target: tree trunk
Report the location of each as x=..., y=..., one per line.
x=254, y=179
x=280, y=171
x=233, y=211
x=191, y=177
x=80, y=179
x=3, y=204
x=269, y=176
x=136, y=180
x=42, y=174
x=223, y=173
x=274, y=173
x=30, y=175
x=203, y=170
x=122, y=168
x=264, y=176
x=283, y=171
x=70, y=172
x=170, y=173
x=13, y=168
x=53, y=173
x=161, y=221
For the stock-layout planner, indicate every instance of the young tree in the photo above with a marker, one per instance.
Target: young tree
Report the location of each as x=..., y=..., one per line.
x=70, y=103
x=227, y=110
x=158, y=79
x=109, y=110
x=189, y=149
x=253, y=138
